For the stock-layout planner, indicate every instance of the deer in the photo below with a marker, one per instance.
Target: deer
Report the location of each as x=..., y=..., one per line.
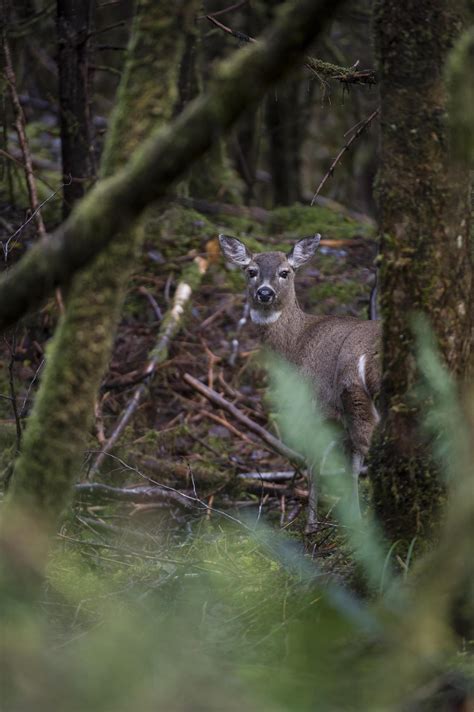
x=339, y=355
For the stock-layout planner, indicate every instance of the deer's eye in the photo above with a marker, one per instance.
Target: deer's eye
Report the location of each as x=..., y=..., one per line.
x=252, y=272
x=284, y=273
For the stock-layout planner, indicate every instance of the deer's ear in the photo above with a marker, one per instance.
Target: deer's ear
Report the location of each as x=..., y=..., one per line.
x=234, y=250
x=303, y=250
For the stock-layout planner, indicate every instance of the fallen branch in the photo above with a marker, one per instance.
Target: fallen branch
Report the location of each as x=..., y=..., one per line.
x=218, y=400
x=170, y=325
x=115, y=203
x=274, y=488
x=268, y=476
x=346, y=75
x=138, y=494
x=230, y=8
x=345, y=148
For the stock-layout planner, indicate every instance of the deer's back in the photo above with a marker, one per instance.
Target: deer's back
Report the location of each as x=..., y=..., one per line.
x=338, y=353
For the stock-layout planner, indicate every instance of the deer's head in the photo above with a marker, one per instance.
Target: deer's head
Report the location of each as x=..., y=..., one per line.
x=270, y=275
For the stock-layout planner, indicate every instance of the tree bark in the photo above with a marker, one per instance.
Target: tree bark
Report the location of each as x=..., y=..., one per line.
x=425, y=262
x=285, y=135
x=73, y=28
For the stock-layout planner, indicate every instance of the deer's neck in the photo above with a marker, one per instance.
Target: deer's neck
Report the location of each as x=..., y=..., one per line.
x=284, y=333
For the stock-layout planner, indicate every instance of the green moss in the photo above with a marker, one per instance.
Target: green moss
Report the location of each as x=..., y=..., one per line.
x=338, y=293
x=177, y=230
x=299, y=220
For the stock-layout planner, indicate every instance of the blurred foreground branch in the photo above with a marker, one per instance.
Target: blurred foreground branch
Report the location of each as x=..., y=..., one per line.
x=346, y=75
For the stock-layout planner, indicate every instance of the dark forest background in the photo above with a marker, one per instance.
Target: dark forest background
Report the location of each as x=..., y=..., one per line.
x=152, y=547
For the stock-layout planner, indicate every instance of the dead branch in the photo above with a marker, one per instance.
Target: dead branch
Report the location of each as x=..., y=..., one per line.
x=219, y=401
x=170, y=325
x=274, y=488
x=346, y=75
x=42, y=164
x=230, y=8
x=6, y=246
x=345, y=148
x=138, y=494
x=23, y=141
x=268, y=476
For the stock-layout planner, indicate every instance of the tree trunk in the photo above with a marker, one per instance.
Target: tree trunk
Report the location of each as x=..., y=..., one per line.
x=425, y=255
x=213, y=177
x=73, y=27
x=285, y=135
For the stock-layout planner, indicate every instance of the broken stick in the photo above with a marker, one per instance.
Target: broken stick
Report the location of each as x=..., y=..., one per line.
x=219, y=401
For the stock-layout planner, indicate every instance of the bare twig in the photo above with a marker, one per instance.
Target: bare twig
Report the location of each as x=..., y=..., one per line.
x=41, y=164
x=6, y=246
x=345, y=148
x=236, y=6
x=101, y=31
x=153, y=302
x=20, y=129
x=191, y=499
x=235, y=344
x=169, y=326
x=218, y=400
x=235, y=33
x=27, y=396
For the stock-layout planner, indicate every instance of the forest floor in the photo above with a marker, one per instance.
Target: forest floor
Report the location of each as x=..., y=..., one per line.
x=176, y=438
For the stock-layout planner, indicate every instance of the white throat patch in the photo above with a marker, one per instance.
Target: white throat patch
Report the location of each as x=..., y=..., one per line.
x=261, y=318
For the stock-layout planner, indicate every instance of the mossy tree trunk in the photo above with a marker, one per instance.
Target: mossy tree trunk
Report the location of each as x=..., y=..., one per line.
x=56, y=434
x=425, y=254
x=213, y=177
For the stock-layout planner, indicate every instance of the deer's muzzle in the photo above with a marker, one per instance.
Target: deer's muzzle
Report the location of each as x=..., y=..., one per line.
x=265, y=295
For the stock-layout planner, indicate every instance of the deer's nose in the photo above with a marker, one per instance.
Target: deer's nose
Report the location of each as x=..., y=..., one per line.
x=265, y=294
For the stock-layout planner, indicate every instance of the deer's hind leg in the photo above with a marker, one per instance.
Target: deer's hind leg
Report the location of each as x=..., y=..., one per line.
x=360, y=419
